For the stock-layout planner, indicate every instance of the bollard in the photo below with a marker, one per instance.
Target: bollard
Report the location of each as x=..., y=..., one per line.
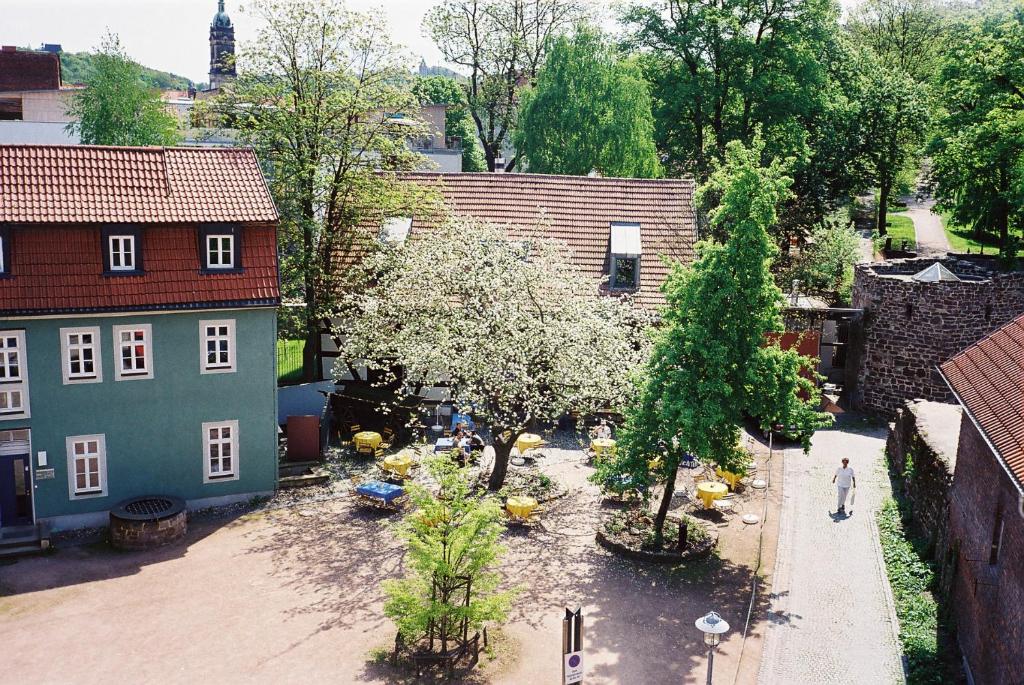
x=682, y=535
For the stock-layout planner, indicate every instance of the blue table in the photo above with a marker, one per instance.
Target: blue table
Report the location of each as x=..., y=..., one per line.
x=377, y=489
x=444, y=445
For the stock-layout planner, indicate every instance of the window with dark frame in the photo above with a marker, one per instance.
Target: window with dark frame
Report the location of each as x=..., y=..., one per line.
x=625, y=273
x=220, y=248
x=122, y=250
x=997, y=538
x=5, y=251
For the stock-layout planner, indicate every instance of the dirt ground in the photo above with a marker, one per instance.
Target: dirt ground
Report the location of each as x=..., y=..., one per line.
x=292, y=595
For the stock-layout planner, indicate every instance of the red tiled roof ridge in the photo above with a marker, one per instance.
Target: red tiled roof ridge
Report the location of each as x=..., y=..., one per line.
x=988, y=379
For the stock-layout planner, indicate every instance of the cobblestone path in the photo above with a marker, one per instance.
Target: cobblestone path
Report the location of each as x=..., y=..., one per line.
x=831, y=619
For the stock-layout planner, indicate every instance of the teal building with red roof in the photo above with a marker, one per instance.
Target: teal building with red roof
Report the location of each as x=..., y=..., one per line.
x=138, y=289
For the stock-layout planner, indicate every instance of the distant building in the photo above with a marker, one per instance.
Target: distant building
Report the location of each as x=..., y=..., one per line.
x=443, y=154
x=51, y=47
x=33, y=102
x=222, y=48
x=983, y=562
x=138, y=295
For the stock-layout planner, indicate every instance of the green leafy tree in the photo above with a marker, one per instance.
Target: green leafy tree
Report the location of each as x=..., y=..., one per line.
x=442, y=90
x=905, y=35
x=825, y=266
x=895, y=116
x=978, y=146
x=117, y=107
x=711, y=364
x=313, y=97
x=590, y=110
x=501, y=43
x=452, y=536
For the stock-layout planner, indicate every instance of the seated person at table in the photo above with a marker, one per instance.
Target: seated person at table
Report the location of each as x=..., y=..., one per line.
x=476, y=443
x=603, y=430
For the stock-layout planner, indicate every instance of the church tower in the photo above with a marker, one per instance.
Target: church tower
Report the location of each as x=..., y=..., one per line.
x=222, y=48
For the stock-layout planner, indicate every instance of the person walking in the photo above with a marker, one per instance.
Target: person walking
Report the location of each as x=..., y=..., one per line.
x=844, y=479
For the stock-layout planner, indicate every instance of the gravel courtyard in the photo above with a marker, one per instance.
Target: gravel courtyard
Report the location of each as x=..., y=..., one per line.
x=292, y=595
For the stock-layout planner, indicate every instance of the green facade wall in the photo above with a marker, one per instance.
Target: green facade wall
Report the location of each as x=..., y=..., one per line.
x=153, y=427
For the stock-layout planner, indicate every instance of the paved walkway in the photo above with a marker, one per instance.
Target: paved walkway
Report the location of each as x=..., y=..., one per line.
x=931, y=238
x=831, y=618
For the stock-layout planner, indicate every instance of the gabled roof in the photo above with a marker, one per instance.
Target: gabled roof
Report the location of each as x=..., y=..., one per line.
x=988, y=379
x=98, y=184
x=580, y=211
x=935, y=273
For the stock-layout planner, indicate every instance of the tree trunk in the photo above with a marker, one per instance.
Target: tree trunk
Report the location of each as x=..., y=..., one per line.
x=1001, y=212
x=666, y=501
x=311, y=351
x=884, y=189
x=502, y=449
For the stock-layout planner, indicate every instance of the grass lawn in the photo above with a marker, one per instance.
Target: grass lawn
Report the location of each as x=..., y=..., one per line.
x=961, y=238
x=899, y=227
x=289, y=361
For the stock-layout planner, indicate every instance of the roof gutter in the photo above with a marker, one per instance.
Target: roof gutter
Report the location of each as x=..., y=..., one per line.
x=981, y=431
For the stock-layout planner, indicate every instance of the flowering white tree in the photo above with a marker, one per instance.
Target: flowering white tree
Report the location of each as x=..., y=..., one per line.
x=509, y=324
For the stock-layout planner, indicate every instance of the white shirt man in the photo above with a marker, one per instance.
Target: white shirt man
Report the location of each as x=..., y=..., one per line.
x=844, y=479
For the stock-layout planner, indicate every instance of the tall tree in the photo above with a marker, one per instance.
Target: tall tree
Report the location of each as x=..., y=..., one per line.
x=590, y=110
x=978, y=147
x=711, y=364
x=502, y=44
x=906, y=35
x=313, y=97
x=507, y=323
x=443, y=90
x=117, y=107
x=895, y=115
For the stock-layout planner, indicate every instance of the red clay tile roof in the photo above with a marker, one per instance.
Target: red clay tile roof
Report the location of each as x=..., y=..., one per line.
x=579, y=210
x=988, y=378
x=87, y=183
x=29, y=70
x=59, y=269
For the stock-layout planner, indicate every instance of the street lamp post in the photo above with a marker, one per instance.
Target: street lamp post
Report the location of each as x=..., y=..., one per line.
x=713, y=626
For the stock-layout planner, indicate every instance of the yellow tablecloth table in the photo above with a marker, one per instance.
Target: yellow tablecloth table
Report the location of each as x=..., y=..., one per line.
x=528, y=441
x=709, y=492
x=729, y=477
x=398, y=464
x=521, y=506
x=368, y=438
x=602, y=446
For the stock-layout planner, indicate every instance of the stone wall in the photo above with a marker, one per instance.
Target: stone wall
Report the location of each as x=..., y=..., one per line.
x=922, y=451
x=987, y=598
x=908, y=327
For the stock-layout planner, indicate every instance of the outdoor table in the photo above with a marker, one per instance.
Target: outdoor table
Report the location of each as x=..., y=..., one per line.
x=709, y=491
x=399, y=464
x=379, y=490
x=444, y=445
x=368, y=438
x=521, y=506
x=528, y=441
x=729, y=477
x=602, y=445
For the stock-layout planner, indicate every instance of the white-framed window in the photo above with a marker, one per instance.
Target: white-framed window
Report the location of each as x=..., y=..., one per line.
x=13, y=376
x=133, y=351
x=220, y=251
x=395, y=230
x=626, y=249
x=217, y=346
x=87, y=466
x=80, y=355
x=220, y=451
x=122, y=252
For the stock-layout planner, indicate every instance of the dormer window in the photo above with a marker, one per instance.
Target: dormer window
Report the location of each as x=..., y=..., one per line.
x=395, y=230
x=5, y=251
x=625, y=251
x=220, y=248
x=122, y=251
x=220, y=252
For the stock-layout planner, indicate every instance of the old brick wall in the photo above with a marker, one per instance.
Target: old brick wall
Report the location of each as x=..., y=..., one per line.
x=908, y=327
x=987, y=599
x=924, y=470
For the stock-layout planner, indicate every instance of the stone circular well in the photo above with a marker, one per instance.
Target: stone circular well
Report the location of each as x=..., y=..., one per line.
x=147, y=522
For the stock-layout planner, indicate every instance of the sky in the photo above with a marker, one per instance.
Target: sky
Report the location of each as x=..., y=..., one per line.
x=173, y=35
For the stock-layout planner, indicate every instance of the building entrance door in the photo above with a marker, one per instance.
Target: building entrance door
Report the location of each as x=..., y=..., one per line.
x=15, y=490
